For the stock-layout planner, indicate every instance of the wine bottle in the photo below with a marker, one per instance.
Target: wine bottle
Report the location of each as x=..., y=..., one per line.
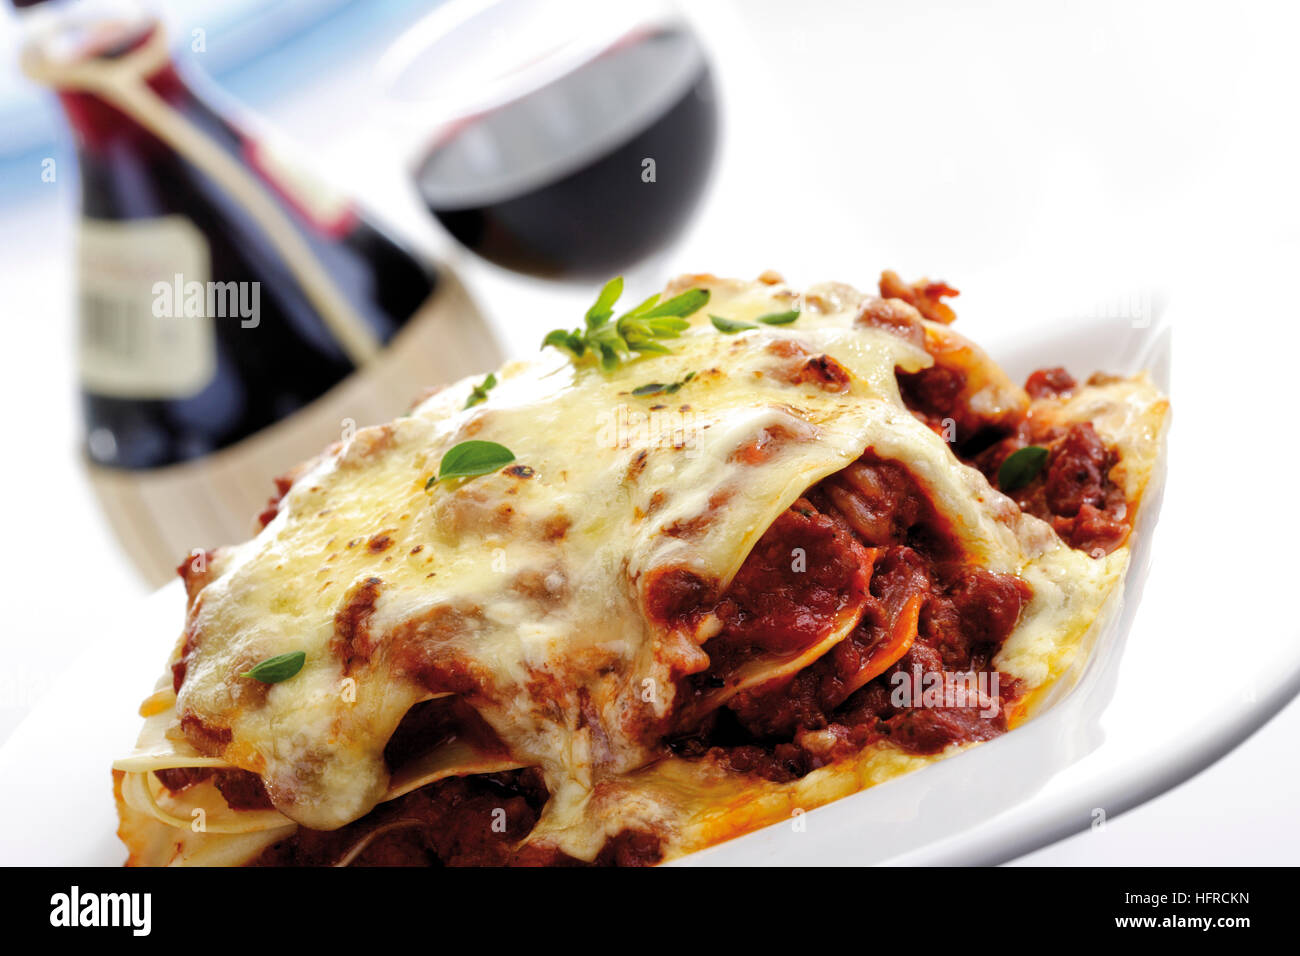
x=235, y=317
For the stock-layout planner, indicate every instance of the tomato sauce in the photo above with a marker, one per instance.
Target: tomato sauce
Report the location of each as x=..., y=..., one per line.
x=460, y=821
x=798, y=578
x=872, y=514
x=1073, y=492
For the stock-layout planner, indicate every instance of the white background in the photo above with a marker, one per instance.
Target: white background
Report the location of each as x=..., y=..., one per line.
x=1022, y=151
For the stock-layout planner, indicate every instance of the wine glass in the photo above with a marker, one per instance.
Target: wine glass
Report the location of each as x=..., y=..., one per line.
x=566, y=139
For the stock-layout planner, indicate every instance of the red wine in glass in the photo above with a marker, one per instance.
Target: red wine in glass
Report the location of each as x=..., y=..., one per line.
x=588, y=174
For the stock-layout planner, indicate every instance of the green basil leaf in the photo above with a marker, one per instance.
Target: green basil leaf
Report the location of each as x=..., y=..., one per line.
x=648, y=347
x=628, y=327
x=779, y=318
x=645, y=306
x=730, y=326
x=603, y=307
x=1021, y=467
x=667, y=327
x=655, y=388
x=480, y=391
x=472, y=458
x=688, y=303
x=566, y=341
x=278, y=668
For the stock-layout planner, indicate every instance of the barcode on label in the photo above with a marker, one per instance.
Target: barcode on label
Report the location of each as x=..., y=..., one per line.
x=127, y=349
x=107, y=327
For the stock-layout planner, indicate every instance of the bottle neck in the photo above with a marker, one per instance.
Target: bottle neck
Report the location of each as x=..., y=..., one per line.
x=98, y=123
x=80, y=59
x=85, y=45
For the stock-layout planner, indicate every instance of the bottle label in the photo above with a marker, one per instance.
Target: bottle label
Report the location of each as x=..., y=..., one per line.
x=146, y=328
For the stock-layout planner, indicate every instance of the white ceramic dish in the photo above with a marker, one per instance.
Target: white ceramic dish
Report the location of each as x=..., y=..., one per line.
x=1192, y=662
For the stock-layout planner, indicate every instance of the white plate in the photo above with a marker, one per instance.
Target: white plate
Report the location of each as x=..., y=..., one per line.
x=1195, y=660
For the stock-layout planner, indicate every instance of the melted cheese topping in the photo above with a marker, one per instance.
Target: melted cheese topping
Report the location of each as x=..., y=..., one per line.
x=530, y=584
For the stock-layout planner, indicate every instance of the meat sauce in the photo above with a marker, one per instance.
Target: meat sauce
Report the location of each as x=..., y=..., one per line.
x=477, y=820
x=872, y=516
x=459, y=821
x=1073, y=492
x=770, y=608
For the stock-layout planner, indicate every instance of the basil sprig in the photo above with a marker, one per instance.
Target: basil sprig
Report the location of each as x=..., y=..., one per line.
x=635, y=332
x=1021, y=467
x=480, y=391
x=470, y=459
x=730, y=326
x=278, y=668
x=659, y=388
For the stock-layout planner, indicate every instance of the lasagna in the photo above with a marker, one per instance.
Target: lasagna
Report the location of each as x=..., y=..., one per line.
x=782, y=547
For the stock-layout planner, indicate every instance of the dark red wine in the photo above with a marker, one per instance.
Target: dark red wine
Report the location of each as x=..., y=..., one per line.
x=588, y=174
x=160, y=383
